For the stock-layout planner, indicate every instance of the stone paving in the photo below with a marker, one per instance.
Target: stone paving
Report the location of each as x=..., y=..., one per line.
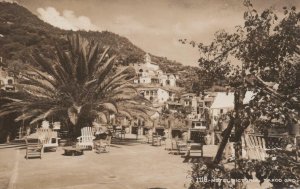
x=129, y=165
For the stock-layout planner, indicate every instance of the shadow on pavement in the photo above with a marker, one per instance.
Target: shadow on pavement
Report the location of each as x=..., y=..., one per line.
x=126, y=141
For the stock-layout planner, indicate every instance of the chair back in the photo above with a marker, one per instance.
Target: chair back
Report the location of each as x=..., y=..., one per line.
x=45, y=135
x=87, y=131
x=87, y=134
x=256, y=146
x=56, y=125
x=32, y=142
x=45, y=124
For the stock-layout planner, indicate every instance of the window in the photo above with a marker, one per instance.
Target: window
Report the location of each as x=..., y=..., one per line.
x=10, y=81
x=167, y=82
x=221, y=111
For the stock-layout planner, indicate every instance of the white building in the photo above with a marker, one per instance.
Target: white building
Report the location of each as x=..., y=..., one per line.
x=197, y=104
x=6, y=82
x=150, y=73
x=156, y=95
x=223, y=103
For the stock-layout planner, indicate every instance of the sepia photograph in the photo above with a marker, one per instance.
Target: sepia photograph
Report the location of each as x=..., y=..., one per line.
x=149, y=94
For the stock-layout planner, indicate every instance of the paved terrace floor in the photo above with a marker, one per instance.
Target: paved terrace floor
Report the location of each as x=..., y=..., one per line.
x=129, y=165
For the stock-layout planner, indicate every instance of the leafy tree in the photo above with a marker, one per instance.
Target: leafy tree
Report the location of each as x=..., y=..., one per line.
x=78, y=85
x=268, y=51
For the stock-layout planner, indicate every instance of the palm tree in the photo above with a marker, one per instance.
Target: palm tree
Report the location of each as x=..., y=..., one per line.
x=78, y=85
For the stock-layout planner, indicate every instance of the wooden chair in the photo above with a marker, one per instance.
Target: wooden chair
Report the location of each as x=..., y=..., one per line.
x=33, y=148
x=56, y=125
x=103, y=145
x=86, y=138
x=182, y=147
x=178, y=147
x=156, y=140
x=48, y=138
x=256, y=146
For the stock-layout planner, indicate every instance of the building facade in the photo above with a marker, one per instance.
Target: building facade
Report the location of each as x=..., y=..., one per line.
x=7, y=81
x=149, y=73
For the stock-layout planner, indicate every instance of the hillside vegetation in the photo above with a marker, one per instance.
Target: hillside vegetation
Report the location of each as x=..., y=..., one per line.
x=21, y=32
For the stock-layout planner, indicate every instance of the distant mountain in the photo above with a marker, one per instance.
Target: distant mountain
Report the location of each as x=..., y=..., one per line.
x=21, y=32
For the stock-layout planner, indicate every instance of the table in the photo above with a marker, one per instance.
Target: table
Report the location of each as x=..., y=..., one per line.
x=73, y=151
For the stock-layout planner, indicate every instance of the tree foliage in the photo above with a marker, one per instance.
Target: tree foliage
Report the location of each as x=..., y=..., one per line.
x=267, y=50
x=23, y=31
x=79, y=84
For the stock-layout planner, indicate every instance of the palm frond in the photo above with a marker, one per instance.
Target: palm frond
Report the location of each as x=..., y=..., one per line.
x=79, y=84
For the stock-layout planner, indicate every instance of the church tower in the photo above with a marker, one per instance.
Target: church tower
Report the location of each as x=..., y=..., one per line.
x=147, y=59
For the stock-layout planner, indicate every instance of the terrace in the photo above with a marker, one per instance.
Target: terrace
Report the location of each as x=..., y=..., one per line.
x=129, y=164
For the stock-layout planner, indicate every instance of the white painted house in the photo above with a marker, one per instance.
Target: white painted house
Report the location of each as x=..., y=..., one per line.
x=156, y=95
x=150, y=73
x=6, y=81
x=223, y=103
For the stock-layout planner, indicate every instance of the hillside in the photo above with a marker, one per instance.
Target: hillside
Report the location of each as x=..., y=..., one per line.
x=21, y=32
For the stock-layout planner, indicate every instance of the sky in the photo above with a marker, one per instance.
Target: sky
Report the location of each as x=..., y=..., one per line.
x=153, y=25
